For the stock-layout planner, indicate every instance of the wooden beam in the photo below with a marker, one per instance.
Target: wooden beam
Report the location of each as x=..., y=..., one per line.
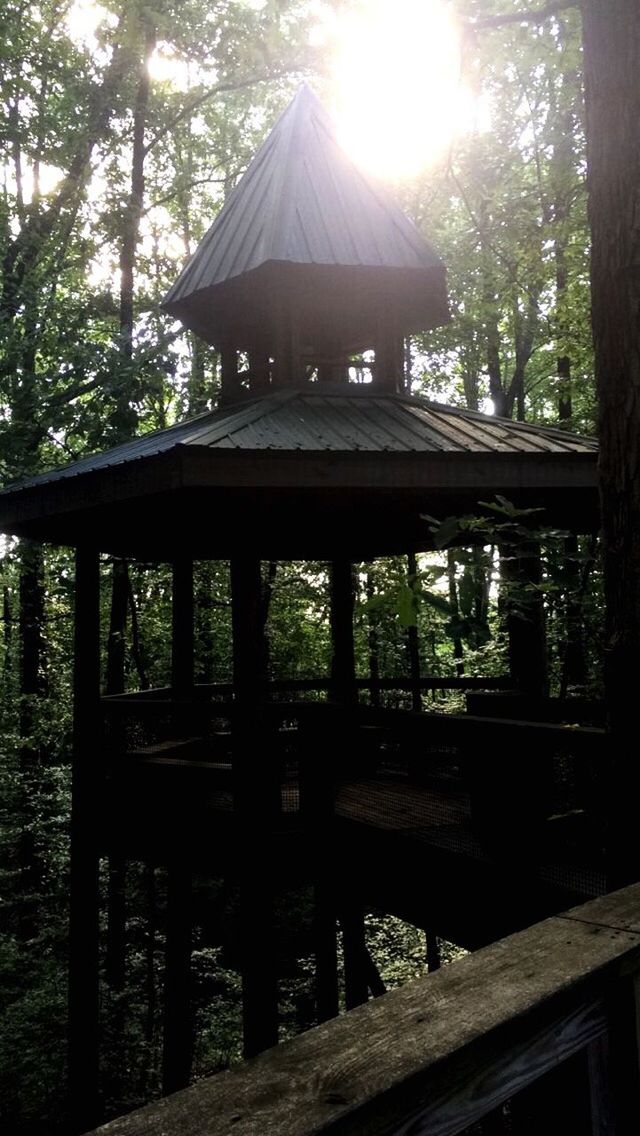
x=177, y=1047
x=343, y=671
x=433, y=952
x=354, y=951
x=615, y=1085
x=256, y=788
x=257, y=952
x=84, y=886
x=182, y=632
x=413, y=641
x=317, y=793
x=388, y=374
x=259, y=372
x=521, y=569
x=230, y=389
x=326, y=950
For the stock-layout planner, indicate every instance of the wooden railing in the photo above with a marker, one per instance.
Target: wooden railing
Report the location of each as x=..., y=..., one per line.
x=442, y=1052
x=508, y=766
x=281, y=685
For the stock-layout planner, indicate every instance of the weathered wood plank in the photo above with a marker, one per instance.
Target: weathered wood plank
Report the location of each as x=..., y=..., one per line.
x=623, y=915
x=430, y=1057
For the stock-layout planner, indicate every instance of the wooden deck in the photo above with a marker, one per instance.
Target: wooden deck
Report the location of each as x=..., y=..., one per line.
x=409, y=849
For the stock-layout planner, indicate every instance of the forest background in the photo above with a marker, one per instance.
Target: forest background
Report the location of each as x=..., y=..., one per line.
x=112, y=169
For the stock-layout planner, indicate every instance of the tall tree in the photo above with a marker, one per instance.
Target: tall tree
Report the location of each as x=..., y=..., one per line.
x=611, y=58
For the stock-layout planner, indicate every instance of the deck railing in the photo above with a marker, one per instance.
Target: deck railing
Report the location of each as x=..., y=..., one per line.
x=518, y=773
x=440, y=1053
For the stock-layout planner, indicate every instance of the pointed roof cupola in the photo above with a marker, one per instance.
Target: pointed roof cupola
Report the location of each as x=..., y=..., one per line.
x=308, y=261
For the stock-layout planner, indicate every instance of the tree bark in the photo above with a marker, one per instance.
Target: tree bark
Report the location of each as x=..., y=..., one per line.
x=413, y=639
x=27, y=247
x=611, y=34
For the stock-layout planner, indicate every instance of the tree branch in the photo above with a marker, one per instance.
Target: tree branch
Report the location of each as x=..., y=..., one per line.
x=26, y=248
x=535, y=16
x=209, y=93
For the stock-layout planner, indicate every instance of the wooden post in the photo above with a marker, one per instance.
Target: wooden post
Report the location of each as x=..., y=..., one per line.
x=287, y=354
x=525, y=620
x=256, y=789
x=374, y=660
x=230, y=389
x=354, y=948
x=343, y=669
x=413, y=642
x=316, y=779
x=615, y=1075
x=84, y=885
x=177, y=1048
x=259, y=372
x=182, y=638
x=389, y=359
x=116, y=946
x=326, y=950
x=433, y=952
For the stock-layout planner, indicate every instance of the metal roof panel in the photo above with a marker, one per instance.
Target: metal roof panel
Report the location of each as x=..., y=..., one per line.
x=345, y=419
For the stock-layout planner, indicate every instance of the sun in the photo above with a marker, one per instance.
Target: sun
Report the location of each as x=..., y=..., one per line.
x=396, y=84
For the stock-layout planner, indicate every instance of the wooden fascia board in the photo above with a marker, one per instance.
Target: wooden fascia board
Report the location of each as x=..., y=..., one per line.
x=157, y=473
x=199, y=467
x=327, y=469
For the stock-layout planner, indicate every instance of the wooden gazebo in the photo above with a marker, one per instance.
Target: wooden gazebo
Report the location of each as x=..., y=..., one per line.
x=307, y=264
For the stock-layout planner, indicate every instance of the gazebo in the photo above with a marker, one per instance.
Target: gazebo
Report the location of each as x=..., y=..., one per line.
x=308, y=264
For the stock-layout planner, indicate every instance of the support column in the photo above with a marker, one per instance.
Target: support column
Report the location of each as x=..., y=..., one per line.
x=259, y=372
x=354, y=949
x=256, y=793
x=84, y=883
x=522, y=571
x=343, y=668
x=413, y=642
x=177, y=1048
x=316, y=780
x=433, y=952
x=389, y=359
x=230, y=389
x=182, y=635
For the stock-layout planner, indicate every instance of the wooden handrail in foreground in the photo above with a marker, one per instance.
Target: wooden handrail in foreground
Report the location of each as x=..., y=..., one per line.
x=436, y=1055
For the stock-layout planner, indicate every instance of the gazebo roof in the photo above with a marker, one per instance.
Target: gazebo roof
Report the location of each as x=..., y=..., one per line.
x=304, y=473
x=304, y=221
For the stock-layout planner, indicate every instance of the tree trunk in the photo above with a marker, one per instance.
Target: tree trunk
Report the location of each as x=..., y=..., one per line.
x=115, y=684
x=373, y=640
x=458, y=650
x=521, y=569
x=611, y=53
x=413, y=640
x=31, y=621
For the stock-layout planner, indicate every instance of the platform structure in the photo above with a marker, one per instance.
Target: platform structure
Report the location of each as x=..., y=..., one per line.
x=308, y=266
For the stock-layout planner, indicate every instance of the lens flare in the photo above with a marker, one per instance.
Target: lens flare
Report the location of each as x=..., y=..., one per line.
x=396, y=82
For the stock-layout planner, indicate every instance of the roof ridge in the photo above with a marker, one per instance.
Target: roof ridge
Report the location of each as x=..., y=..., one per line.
x=243, y=414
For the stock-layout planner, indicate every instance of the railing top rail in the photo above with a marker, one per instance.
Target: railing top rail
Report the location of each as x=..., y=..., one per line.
x=324, y=683
x=435, y=1055
x=477, y=733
